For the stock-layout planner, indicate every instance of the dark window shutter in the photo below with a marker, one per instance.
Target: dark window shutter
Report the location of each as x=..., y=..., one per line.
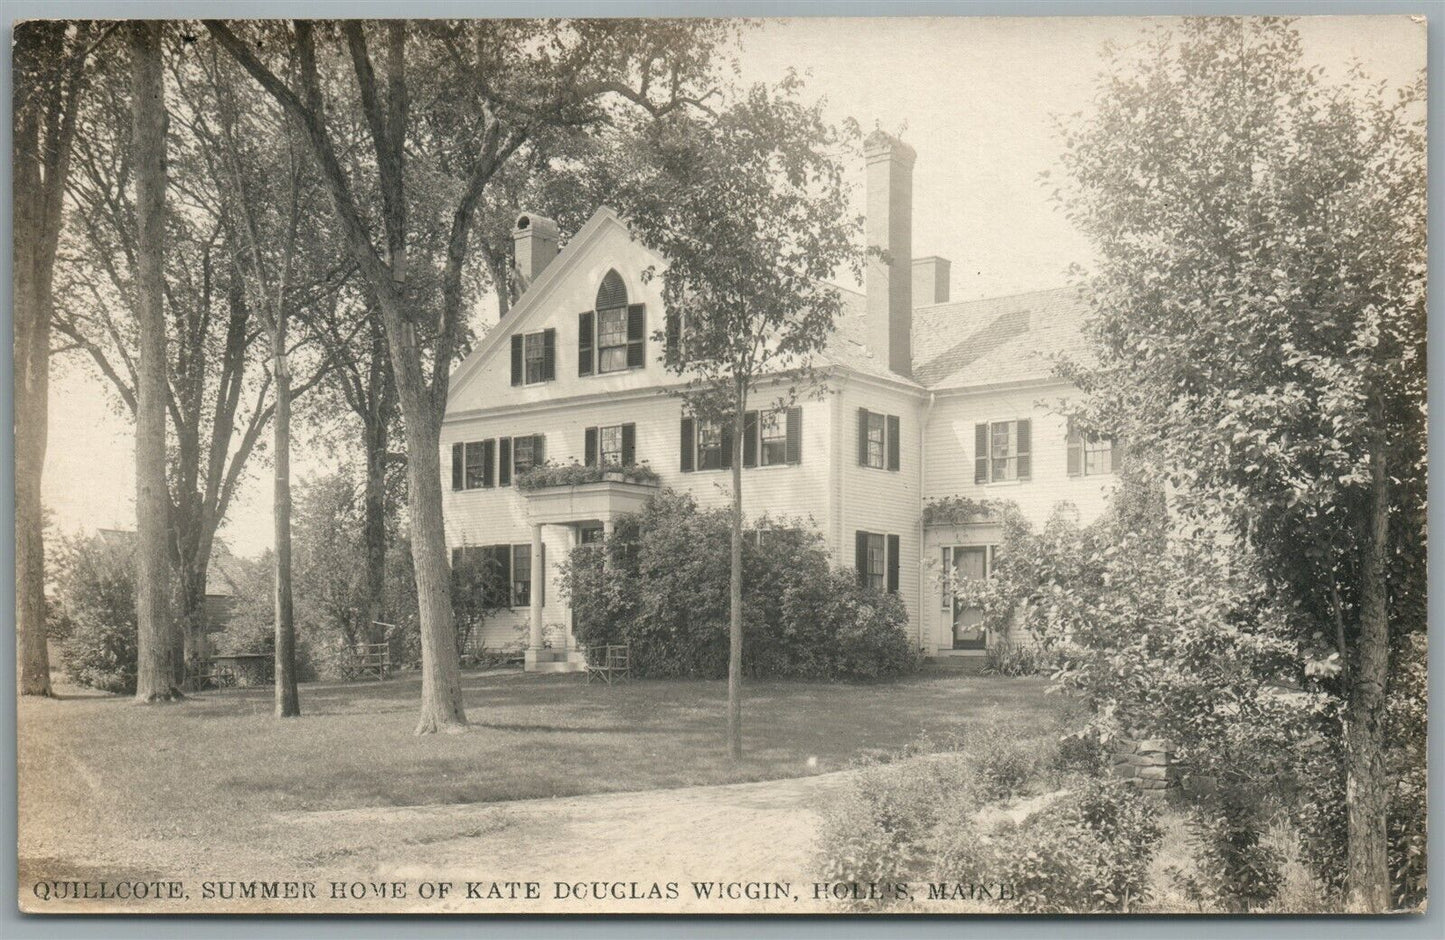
x=1075, y=449
x=862, y=437
x=750, y=439
x=688, y=449
x=585, y=355
x=672, y=328
x=893, y=443
x=539, y=449
x=504, y=462
x=517, y=359
x=629, y=444
x=1025, y=452
x=489, y=460
x=980, y=453
x=860, y=556
x=892, y=564
x=549, y=355
x=503, y=554
x=636, y=336
x=589, y=448
x=795, y=435
x=727, y=444
x=458, y=465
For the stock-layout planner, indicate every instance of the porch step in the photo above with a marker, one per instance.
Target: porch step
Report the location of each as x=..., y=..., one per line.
x=968, y=665
x=556, y=660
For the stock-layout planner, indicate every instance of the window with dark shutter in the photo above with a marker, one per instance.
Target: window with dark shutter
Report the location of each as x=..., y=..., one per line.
x=860, y=556
x=1025, y=452
x=672, y=335
x=980, y=453
x=549, y=355
x=1074, y=446
x=504, y=462
x=629, y=444
x=794, y=445
x=750, y=439
x=636, y=336
x=893, y=435
x=727, y=438
x=517, y=359
x=686, y=433
x=458, y=465
x=478, y=467
x=862, y=437
x=526, y=453
x=585, y=356
x=710, y=445
x=589, y=447
x=893, y=547
x=521, y=575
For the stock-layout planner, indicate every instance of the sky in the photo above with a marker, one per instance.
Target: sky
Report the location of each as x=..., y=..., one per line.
x=974, y=96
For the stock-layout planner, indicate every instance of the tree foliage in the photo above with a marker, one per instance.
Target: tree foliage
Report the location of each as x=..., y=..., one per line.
x=1259, y=319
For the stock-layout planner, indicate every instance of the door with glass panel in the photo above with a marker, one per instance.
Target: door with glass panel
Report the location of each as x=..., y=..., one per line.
x=966, y=563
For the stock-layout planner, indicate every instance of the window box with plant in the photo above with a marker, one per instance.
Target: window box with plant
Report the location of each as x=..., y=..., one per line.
x=551, y=474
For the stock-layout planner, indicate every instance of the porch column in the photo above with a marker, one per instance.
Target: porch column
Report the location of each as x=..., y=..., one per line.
x=535, y=641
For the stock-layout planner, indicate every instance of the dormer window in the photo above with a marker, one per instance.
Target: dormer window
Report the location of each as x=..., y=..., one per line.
x=611, y=337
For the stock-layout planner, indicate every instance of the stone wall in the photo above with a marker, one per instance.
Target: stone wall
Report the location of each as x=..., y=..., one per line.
x=1148, y=764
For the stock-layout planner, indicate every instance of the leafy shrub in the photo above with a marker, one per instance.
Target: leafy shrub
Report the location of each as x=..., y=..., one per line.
x=1239, y=871
x=1088, y=851
x=882, y=828
x=1005, y=769
x=573, y=474
x=1006, y=658
x=661, y=586
x=97, y=600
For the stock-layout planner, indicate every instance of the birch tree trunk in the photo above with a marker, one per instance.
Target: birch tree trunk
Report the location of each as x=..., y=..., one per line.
x=158, y=669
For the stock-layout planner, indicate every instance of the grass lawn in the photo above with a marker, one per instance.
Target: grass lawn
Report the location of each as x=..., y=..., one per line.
x=103, y=779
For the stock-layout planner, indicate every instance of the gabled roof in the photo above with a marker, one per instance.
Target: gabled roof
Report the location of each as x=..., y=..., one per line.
x=534, y=296
x=997, y=340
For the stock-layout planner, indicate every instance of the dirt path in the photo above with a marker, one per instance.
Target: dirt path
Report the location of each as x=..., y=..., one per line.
x=613, y=847
x=620, y=852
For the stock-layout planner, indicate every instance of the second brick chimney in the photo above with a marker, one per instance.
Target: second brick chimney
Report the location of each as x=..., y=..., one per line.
x=889, y=280
x=534, y=245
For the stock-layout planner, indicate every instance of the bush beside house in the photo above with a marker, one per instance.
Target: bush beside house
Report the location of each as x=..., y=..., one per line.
x=661, y=586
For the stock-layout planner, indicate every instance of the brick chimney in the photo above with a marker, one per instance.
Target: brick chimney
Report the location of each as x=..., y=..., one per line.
x=889, y=280
x=534, y=245
x=930, y=280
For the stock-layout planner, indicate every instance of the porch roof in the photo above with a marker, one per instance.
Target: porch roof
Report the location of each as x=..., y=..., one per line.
x=602, y=501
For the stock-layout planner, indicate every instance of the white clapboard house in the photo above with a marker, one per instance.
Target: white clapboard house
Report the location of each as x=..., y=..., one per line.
x=926, y=399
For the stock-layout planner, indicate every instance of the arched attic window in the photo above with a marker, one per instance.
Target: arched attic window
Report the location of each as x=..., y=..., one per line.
x=620, y=329
x=613, y=293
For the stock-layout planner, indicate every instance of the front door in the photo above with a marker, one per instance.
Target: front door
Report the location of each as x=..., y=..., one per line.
x=970, y=563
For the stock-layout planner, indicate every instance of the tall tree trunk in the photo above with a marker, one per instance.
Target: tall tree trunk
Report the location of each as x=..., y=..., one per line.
x=32, y=389
x=1366, y=785
x=374, y=524
x=735, y=585
x=288, y=700
x=156, y=668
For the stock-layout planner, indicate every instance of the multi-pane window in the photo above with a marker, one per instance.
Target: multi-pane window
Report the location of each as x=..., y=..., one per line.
x=1002, y=451
x=877, y=562
x=521, y=575
x=709, y=445
x=875, y=439
x=772, y=437
x=609, y=445
x=478, y=460
x=524, y=453
x=534, y=357
x=612, y=340
x=878, y=440
x=1090, y=454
